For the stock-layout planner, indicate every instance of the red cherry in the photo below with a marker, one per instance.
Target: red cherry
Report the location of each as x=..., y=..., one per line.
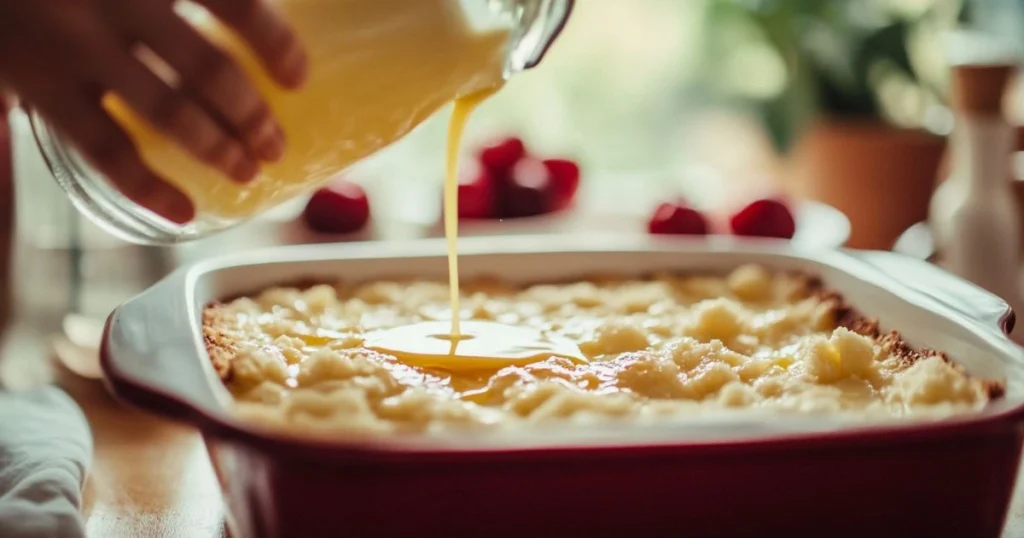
x=565, y=181
x=766, y=217
x=341, y=207
x=525, y=191
x=523, y=201
x=676, y=219
x=503, y=155
x=476, y=196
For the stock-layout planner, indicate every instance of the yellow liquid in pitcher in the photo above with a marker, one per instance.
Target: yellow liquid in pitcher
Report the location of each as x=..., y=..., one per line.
x=377, y=69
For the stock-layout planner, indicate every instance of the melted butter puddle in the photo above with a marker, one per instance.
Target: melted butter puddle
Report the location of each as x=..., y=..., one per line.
x=484, y=345
x=469, y=345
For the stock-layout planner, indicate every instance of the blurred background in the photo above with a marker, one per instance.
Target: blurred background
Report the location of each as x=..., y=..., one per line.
x=842, y=107
x=843, y=102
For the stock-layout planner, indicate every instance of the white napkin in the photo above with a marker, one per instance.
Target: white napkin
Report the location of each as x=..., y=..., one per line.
x=45, y=450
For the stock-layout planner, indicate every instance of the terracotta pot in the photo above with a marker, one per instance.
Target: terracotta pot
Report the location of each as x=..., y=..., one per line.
x=881, y=176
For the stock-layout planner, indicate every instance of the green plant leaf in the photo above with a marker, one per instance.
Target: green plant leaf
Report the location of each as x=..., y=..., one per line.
x=888, y=43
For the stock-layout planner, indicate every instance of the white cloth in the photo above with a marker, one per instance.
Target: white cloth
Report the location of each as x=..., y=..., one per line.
x=45, y=451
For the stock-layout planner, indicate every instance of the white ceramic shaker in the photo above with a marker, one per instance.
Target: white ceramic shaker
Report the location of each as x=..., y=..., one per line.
x=974, y=213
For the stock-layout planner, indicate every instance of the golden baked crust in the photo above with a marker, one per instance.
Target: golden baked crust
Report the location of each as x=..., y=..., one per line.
x=331, y=384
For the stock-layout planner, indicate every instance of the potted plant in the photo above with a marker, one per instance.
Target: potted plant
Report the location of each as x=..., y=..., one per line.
x=858, y=108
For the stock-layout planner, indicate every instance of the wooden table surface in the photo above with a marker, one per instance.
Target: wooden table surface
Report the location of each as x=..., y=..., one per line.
x=150, y=477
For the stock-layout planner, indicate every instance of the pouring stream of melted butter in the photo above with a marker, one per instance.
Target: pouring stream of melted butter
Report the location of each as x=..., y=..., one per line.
x=463, y=108
x=469, y=345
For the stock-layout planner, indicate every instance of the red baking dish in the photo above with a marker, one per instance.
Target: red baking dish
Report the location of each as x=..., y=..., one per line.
x=788, y=477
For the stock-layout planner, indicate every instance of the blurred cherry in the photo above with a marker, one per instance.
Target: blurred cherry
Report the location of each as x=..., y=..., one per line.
x=341, y=207
x=477, y=195
x=565, y=181
x=501, y=156
x=677, y=219
x=767, y=217
x=526, y=190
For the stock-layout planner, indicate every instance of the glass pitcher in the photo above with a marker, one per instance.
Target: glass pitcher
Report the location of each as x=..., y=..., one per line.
x=378, y=68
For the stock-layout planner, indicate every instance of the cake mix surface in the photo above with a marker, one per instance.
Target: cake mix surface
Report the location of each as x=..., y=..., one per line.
x=652, y=349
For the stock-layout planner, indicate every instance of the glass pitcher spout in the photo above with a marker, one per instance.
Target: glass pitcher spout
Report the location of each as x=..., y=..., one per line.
x=538, y=23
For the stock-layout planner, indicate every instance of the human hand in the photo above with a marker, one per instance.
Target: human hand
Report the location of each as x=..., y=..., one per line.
x=62, y=56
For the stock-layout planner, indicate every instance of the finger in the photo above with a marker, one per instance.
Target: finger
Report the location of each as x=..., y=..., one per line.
x=208, y=74
x=171, y=112
x=78, y=115
x=270, y=37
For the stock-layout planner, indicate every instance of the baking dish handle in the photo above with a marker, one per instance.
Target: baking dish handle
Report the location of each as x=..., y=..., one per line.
x=940, y=285
x=151, y=358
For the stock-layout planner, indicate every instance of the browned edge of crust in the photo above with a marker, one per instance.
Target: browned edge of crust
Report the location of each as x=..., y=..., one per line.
x=847, y=316
x=222, y=347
